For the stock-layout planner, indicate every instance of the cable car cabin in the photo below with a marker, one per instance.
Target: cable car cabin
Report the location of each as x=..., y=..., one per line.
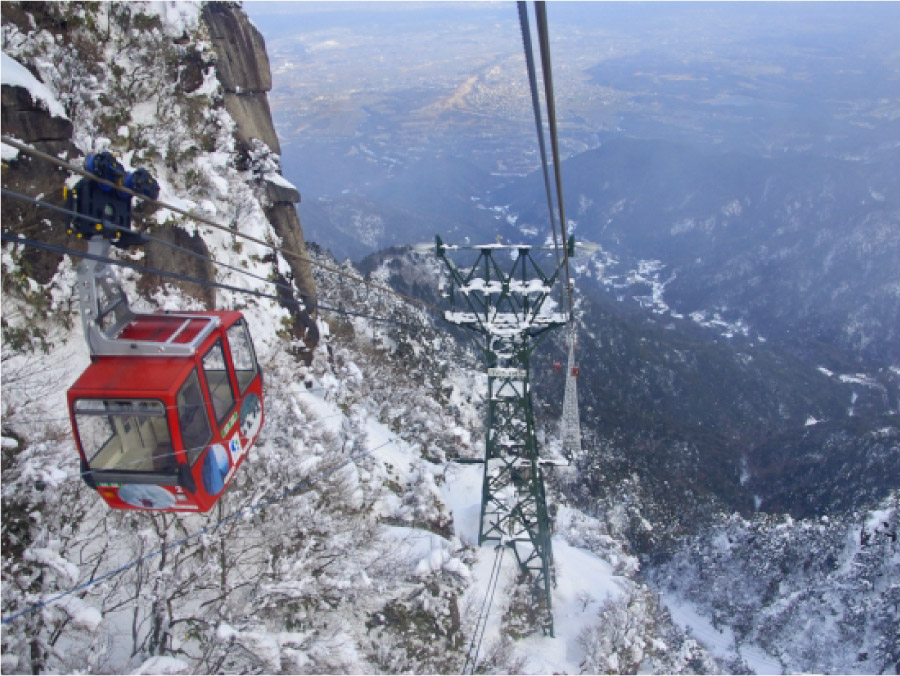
x=168, y=433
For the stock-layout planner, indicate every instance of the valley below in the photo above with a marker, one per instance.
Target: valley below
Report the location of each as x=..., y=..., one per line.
x=739, y=323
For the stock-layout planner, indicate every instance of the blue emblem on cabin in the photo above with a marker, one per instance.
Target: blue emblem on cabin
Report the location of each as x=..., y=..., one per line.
x=215, y=469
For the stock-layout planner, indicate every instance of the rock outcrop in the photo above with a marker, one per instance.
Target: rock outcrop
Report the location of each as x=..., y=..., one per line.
x=244, y=72
x=110, y=108
x=31, y=122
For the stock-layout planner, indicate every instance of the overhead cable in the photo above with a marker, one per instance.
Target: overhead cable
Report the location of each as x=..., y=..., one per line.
x=484, y=612
x=29, y=150
x=544, y=41
x=69, y=212
x=538, y=121
x=187, y=278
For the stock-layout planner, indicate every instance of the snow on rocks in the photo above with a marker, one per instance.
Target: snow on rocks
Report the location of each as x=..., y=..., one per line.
x=162, y=664
x=462, y=493
x=178, y=18
x=14, y=74
x=425, y=553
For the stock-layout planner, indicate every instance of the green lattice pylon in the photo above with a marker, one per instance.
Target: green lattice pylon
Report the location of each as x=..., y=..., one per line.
x=505, y=304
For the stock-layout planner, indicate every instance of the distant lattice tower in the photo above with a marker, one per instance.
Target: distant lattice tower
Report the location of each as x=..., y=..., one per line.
x=505, y=305
x=570, y=426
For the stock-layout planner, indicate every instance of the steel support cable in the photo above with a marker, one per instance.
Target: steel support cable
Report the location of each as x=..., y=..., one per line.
x=478, y=619
x=69, y=212
x=187, y=278
x=18, y=145
x=538, y=121
x=541, y=14
x=307, y=483
x=484, y=602
x=484, y=612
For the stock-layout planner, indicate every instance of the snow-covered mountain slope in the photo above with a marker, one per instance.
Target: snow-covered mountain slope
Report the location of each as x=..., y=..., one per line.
x=345, y=542
x=813, y=595
x=779, y=572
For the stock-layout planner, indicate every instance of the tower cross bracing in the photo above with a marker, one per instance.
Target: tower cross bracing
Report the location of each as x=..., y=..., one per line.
x=501, y=293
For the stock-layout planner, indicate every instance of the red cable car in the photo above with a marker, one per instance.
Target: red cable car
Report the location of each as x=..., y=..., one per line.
x=168, y=433
x=172, y=402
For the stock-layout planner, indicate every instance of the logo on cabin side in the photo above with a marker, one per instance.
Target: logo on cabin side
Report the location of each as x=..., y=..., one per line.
x=234, y=447
x=231, y=421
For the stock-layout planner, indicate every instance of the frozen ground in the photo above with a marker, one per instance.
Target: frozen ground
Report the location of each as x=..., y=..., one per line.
x=584, y=581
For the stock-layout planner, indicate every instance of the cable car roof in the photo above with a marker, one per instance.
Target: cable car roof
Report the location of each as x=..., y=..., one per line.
x=149, y=376
x=174, y=334
x=126, y=377
x=162, y=328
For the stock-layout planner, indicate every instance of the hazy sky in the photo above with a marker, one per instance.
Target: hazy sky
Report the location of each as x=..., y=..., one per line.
x=782, y=17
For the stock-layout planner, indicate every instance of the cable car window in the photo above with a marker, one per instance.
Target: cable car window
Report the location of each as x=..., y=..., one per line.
x=242, y=354
x=219, y=383
x=125, y=434
x=192, y=418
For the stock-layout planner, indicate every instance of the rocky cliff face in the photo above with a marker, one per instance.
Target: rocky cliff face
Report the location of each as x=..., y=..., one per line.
x=27, y=117
x=180, y=92
x=243, y=69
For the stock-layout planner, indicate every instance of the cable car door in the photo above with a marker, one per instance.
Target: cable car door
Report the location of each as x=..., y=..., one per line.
x=234, y=392
x=248, y=379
